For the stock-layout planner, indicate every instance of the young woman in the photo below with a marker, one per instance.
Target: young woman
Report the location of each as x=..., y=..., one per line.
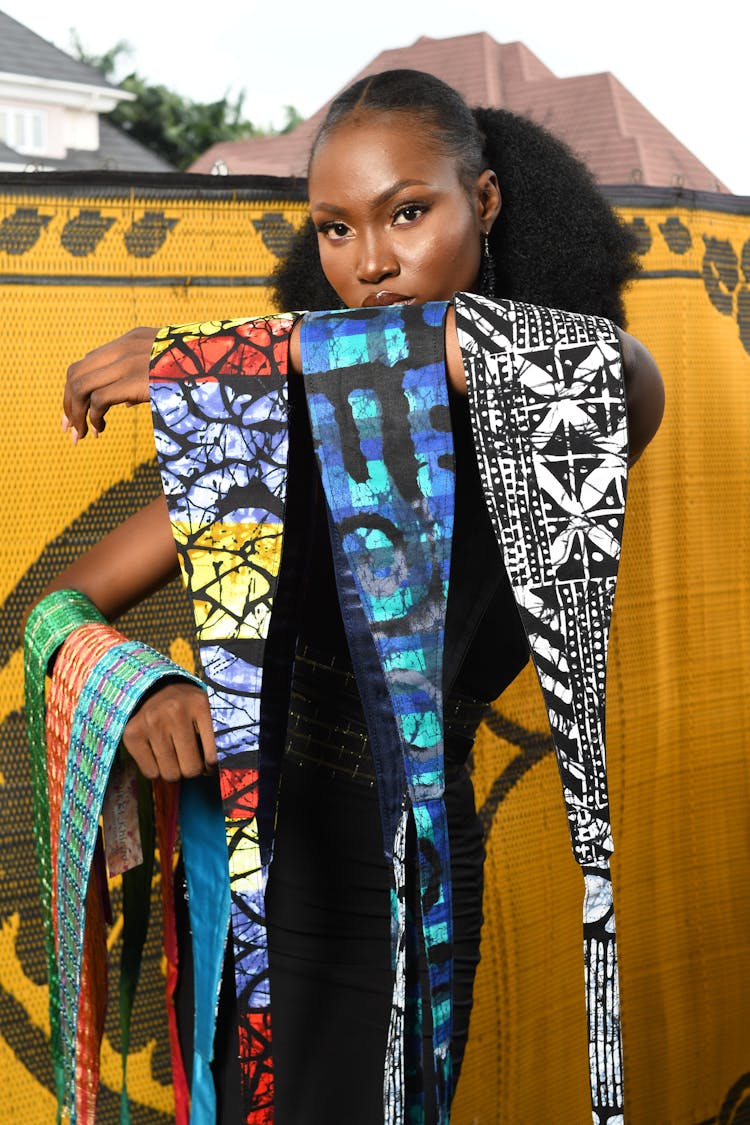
x=412, y=198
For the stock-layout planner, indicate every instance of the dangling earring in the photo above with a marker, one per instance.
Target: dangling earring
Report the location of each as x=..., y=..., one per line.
x=487, y=268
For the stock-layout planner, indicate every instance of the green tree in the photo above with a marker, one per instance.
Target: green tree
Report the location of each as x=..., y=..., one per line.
x=172, y=126
x=293, y=119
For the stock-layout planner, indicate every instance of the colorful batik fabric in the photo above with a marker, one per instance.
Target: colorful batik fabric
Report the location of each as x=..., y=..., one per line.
x=220, y=406
x=548, y=415
x=548, y=412
x=378, y=403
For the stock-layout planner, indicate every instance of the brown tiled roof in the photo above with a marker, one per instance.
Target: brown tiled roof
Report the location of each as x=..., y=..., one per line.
x=617, y=136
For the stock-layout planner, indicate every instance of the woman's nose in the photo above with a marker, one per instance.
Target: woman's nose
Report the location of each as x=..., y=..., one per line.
x=377, y=261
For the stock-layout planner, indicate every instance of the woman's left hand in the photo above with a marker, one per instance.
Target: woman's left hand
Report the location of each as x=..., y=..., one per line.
x=116, y=372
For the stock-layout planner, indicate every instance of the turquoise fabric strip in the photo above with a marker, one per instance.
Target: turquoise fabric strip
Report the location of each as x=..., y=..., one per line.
x=111, y=693
x=204, y=851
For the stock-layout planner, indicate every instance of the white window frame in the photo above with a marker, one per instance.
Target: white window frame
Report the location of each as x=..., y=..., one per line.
x=18, y=126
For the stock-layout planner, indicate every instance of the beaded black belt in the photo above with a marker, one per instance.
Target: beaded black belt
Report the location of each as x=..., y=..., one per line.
x=327, y=727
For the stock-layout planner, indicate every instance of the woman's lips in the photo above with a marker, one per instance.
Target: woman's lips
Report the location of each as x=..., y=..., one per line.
x=385, y=297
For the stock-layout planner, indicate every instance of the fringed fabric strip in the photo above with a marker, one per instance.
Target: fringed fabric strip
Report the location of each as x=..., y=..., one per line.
x=136, y=908
x=98, y=679
x=76, y=659
x=548, y=414
x=108, y=698
x=204, y=852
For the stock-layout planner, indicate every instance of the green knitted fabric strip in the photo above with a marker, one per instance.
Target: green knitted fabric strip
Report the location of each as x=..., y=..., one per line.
x=48, y=625
x=112, y=691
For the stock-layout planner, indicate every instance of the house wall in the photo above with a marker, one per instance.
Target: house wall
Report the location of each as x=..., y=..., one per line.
x=80, y=129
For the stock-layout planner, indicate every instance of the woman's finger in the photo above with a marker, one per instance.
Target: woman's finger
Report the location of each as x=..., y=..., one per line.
x=187, y=745
x=140, y=751
x=115, y=372
x=161, y=735
x=205, y=732
x=130, y=389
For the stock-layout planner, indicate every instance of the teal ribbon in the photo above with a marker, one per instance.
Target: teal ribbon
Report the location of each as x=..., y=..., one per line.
x=204, y=851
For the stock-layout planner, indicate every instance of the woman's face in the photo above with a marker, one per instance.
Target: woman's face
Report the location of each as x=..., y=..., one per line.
x=395, y=224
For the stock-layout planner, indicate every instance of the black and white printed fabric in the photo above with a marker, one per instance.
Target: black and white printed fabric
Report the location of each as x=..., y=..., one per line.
x=549, y=421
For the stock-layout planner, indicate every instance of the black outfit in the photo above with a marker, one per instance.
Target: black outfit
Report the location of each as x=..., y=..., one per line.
x=327, y=900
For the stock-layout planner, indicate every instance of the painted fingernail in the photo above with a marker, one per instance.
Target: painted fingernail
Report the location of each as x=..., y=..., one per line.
x=65, y=423
x=74, y=435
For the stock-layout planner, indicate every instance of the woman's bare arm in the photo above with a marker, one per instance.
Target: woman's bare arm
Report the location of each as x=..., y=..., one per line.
x=170, y=734
x=126, y=566
x=644, y=392
x=118, y=372
x=115, y=373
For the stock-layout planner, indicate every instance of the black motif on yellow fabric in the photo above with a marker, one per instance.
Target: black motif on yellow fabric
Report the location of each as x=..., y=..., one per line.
x=676, y=235
x=533, y=746
x=148, y=234
x=736, y=1107
x=82, y=234
x=275, y=231
x=642, y=232
x=724, y=271
x=727, y=281
x=20, y=231
x=720, y=273
x=743, y=299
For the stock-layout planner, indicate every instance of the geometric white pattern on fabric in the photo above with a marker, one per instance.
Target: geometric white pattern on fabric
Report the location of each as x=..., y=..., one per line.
x=549, y=421
x=394, y=1083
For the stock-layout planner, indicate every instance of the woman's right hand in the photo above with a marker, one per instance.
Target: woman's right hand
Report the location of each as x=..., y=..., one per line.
x=116, y=372
x=170, y=734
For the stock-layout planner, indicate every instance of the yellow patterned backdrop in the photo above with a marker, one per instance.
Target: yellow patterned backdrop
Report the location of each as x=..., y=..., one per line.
x=83, y=260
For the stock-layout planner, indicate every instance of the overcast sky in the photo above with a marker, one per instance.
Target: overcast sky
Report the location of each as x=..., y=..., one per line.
x=686, y=63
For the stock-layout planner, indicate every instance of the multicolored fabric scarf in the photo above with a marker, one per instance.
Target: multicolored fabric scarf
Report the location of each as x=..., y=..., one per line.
x=548, y=414
x=219, y=401
x=99, y=677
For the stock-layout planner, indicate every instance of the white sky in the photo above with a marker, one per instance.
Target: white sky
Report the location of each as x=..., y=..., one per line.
x=687, y=63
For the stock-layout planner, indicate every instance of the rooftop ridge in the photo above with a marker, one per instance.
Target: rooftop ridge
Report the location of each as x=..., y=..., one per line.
x=24, y=52
x=606, y=131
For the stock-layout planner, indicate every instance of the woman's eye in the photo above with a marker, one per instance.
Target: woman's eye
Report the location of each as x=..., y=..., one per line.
x=409, y=214
x=334, y=232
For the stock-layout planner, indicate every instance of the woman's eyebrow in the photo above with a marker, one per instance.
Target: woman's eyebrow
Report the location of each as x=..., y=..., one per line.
x=378, y=201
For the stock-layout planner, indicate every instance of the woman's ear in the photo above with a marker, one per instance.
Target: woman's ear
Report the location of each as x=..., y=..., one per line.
x=489, y=200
